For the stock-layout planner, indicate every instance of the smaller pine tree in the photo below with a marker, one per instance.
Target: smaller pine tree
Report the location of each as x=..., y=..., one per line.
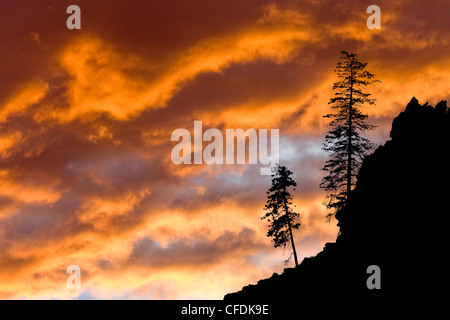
x=282, y=218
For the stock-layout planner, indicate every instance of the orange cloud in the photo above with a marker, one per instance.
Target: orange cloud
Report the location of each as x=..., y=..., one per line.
x=105, y=80
x=100, y=211
x=27, y=192
x=27, y=95
x=9, y=143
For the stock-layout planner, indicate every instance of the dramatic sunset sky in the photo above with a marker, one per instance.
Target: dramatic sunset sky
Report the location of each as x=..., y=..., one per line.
x=86, y=118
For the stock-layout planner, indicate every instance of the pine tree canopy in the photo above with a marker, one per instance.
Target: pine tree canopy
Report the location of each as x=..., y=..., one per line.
x=282, y=218
x=346, y=142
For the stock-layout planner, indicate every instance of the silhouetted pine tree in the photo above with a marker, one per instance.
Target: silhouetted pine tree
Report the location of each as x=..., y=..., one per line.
x=280, y=215
x=344, y=143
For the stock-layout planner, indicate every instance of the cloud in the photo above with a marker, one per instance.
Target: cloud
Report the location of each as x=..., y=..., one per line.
x=27, y=95
x=27, y=190
x=86, y=118
x=105, y=264
x=194, y=251
x=102, y=211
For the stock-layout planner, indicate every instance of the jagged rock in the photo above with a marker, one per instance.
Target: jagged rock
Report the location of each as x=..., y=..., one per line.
x=413, y=105
x=441, y=107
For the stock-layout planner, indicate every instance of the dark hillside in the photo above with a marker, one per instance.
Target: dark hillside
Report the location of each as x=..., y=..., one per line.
x=398, y=221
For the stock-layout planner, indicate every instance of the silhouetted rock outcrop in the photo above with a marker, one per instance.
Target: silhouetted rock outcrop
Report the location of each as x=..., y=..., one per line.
x=398, y=220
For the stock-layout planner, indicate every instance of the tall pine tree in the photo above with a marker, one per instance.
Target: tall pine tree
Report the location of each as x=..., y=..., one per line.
x=344, y=142
x=280, y=215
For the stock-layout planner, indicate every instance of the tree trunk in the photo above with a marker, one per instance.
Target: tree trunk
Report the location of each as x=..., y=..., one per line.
x=292, y=242
x=349, y=159
x=286, y=210
x=349, y=150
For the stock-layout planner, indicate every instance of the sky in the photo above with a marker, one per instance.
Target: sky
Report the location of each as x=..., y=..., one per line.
x=86, y=118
